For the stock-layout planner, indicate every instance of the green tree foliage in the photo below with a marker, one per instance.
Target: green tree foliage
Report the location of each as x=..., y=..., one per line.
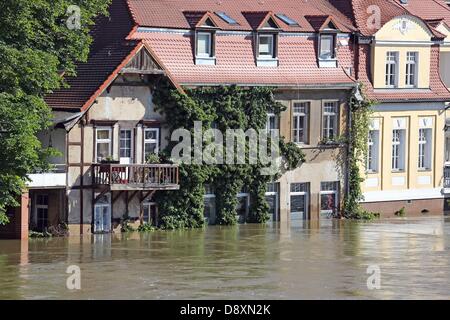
x=36, y=48
x=223, y=108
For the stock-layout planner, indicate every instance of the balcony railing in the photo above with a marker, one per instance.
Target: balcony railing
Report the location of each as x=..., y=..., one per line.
x=447, y=177
x=137, y=176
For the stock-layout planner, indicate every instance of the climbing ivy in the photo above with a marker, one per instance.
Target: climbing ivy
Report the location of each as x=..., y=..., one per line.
x=361, y=110
x=222, y=108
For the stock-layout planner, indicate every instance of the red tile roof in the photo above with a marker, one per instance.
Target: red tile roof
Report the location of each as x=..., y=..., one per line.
x=236, y=63
x=169, y=13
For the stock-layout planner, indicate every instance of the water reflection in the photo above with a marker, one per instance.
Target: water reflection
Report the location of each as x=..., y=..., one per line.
x=298, y=261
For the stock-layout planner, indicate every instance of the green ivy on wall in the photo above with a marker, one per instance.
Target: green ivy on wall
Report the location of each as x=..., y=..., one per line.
x=361, y=110
x=225, y=107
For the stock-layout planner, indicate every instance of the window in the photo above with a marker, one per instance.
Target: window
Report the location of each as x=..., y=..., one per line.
x=209, y=200
x=272, y=124
x=391, y=68
x=411, y=69
x=272, y=200
x=151, y=141
x=266, y=46
x=243, y=205
x=300, y=122
x=398, y=152
x=425, y=137
x=205, y=45
x=150, y=213
x=103, y=143
x=372, y=150
x=41, y=212
x=125, y=146
x=299, y=201
x=326, y=51
x=329, y=199
x=102, y=214
x=330, y=117
x=225, y=17
x=287, y=20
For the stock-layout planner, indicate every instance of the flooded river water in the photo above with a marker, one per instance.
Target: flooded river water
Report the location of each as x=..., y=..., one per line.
x=243, y=262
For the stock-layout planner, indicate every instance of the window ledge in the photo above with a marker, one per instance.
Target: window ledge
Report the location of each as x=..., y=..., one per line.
x=398, y=171
x=266, y=62
x=328, y=63
x=209, y=61
x=424, y=170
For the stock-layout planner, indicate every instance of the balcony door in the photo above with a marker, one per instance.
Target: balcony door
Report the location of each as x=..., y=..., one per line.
x=126, y=146
x=102, y=215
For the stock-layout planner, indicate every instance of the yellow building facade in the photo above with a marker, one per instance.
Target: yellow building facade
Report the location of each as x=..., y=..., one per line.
x=406, y=153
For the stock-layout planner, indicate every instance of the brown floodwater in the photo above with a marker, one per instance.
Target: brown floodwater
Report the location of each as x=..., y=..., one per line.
x=243, y=262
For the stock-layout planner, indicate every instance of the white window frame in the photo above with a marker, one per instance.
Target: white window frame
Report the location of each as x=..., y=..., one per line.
x=131, y=143
x=40, y=206
x=103, y=141
x=296, y=116
x=412, y=58
x=103, y=204
x=327, y=123
x=398, y=150
x=151, y=141
x=275, y=193
x=299, y=193
x=391, y=63
x=425, y=141
x=372, y=151
x=209, y=47
x=329, y=192
x=271, y=115
x=331, y=55
x=271, y=44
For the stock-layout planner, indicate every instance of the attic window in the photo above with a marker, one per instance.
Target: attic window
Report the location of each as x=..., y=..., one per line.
x=287, y=20
x=205, y=47
x=226, y=18
x=266, y=48
x=326, y=47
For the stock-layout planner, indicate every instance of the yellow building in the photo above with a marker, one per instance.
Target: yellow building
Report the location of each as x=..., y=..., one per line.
x=399, y=66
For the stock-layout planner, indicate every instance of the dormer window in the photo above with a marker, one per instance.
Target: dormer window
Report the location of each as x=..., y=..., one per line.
x=327, y=47
x=266, y=47
x=204, y=45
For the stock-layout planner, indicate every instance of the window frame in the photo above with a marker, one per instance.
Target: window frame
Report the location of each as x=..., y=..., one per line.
x=335, y=192
x=332, y=49
x=149, y=141
x=210, y=46
x=305, y=194
x=398, y=161
x=272, y=45
x=271, y=115
x=103, y=141
x=389, y=73
x=296, y=119
x=326, y=130
x=425, y=147
x=131, y=148
x=411, y=69
x=373, y=143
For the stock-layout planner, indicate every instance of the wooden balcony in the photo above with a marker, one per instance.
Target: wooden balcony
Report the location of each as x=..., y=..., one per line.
x=123, y=177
